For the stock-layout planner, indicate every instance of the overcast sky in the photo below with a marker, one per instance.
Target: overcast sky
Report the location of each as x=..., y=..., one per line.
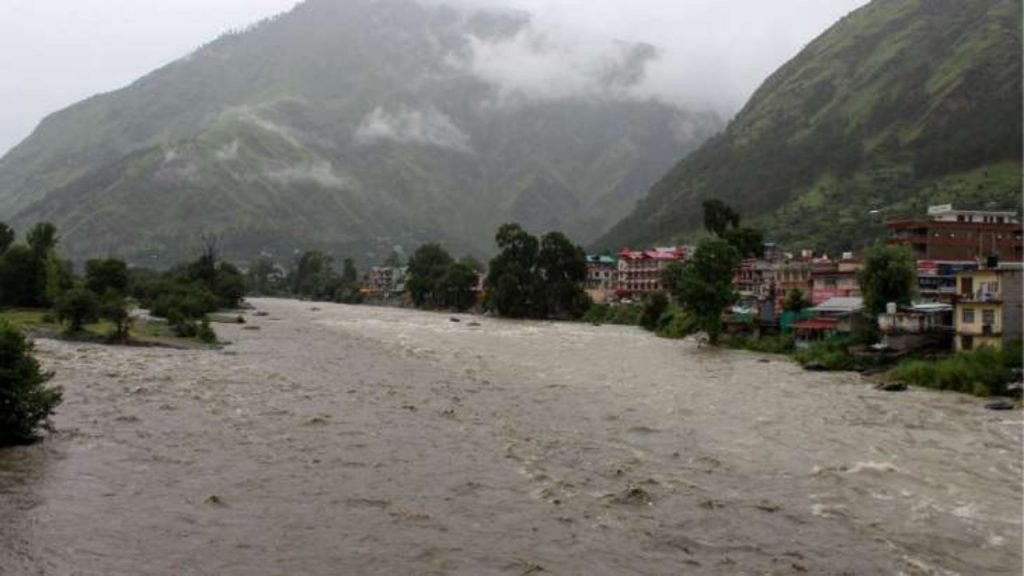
x=54, y=53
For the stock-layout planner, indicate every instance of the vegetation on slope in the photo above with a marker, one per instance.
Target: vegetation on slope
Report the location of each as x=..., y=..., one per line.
x=902, y=104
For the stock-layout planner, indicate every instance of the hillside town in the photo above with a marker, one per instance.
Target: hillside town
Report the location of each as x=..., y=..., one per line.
x=969, y=284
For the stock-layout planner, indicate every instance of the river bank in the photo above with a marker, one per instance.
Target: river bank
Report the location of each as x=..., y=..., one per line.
x=383, y=441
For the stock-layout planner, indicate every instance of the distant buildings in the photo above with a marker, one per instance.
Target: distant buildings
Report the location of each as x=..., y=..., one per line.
x=988, y=307
x=601, y=272
x=639, y=272
x=834, y=279
x=961, y=235
x=385, y=281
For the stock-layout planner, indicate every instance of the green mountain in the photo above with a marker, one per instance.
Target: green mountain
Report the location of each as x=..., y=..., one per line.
x=901, y=104
x=350, y=127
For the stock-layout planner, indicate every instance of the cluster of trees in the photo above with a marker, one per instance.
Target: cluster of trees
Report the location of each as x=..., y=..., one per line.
x=437, y=281
x=313, y=276
x=32, y=275
x=537, y=278
x=188, y=293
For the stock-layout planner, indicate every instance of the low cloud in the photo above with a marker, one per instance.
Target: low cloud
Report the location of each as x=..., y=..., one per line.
x=556, y=63
x=428, y=127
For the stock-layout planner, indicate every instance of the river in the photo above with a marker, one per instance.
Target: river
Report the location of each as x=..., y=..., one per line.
x=357, y=440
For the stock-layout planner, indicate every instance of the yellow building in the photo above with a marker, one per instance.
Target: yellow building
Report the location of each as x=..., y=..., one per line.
x=988, y=307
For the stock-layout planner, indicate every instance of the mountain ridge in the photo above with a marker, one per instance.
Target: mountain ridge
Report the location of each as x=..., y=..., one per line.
x=901, y=104
x=351, y=127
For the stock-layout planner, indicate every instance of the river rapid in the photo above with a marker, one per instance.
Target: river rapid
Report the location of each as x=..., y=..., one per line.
x=357, y=440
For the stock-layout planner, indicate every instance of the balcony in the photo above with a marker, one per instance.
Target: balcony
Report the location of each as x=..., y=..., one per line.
x=983, y=296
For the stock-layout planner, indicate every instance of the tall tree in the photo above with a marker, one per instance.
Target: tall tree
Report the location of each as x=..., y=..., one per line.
x=719, y=216
x=459, y=286
x=706, y=287
x=428, y=269
x=349, y=274
x=313, y=275
x=108, y=275
x=6, y=237
x=562, y=272
x=511, y=285
x=889, y=275
x=42, y=238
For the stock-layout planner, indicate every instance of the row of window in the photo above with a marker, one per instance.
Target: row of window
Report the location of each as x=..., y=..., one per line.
x=988, y=316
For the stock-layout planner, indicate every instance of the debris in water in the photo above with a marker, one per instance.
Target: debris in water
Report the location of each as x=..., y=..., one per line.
x=892, y=387
x=1000, y=405
x=635, y=496
x=455, y=320
x=214, y=500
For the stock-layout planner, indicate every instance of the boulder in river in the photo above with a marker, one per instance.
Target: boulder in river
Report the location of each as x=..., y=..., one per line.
x=1000, y=405
x=892, y=387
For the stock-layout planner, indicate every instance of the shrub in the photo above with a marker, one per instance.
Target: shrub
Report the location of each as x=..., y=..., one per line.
x=76, y=308
x=654, y=306
x=676, y=323
x=827, y=356
x=775, y=344
x=982, y=372
x=114, y=308
x=25, y=403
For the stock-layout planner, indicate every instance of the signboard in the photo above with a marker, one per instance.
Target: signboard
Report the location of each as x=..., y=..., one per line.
x=940, y=209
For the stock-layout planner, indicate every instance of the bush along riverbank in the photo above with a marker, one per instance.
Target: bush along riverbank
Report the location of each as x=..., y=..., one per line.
x=983, y=372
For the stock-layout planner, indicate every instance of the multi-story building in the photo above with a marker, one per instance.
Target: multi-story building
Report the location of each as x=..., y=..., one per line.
x=961, y=235
x=936, y=281
x=601, y=272
x=639, y=272
x=834, y=279
x=386, y=280
x=988, y=307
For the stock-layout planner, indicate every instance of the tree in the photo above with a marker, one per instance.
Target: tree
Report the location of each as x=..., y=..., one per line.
x=795, y=301
x=114, y=307
x=706, y=288
x=889, y=275
x=718, y=217
x=428, y=270
x=749, y=242
x=655, y=305
x=106, y=276
x=263, y=278
x=42, y=238
x=76, y=308
x=349, y=274
x=459, y=286
x=511, y=286
x=313, y=276
x=672, y=278
x=25, y=402
x=19, y=277
x=6, y=237
x=561, y=270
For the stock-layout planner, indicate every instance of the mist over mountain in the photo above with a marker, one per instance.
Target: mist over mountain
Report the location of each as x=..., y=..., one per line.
x=355, y=127
x=902, y=104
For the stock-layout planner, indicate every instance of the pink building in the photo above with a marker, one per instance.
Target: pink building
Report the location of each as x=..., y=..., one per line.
x=639, y=272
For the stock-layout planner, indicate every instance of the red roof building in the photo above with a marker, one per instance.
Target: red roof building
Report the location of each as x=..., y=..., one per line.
x=639, y=272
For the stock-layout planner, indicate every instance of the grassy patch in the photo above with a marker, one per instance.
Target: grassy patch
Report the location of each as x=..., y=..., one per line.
x=43, y=323
x=776, y=344
x=982, y=372
x=830, y=356
x=622, y=314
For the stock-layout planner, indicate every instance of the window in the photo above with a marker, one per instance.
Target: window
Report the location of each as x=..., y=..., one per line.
x=967, y=316
x=988, y=317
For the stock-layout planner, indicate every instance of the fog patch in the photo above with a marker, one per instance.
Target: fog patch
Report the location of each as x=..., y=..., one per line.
x=428, y=127
x=176, y=170
x=552, y=63
x=228, y=151
x=321, y=173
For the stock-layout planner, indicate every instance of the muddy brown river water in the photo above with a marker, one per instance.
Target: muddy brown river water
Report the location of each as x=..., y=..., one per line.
x=352, y=440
